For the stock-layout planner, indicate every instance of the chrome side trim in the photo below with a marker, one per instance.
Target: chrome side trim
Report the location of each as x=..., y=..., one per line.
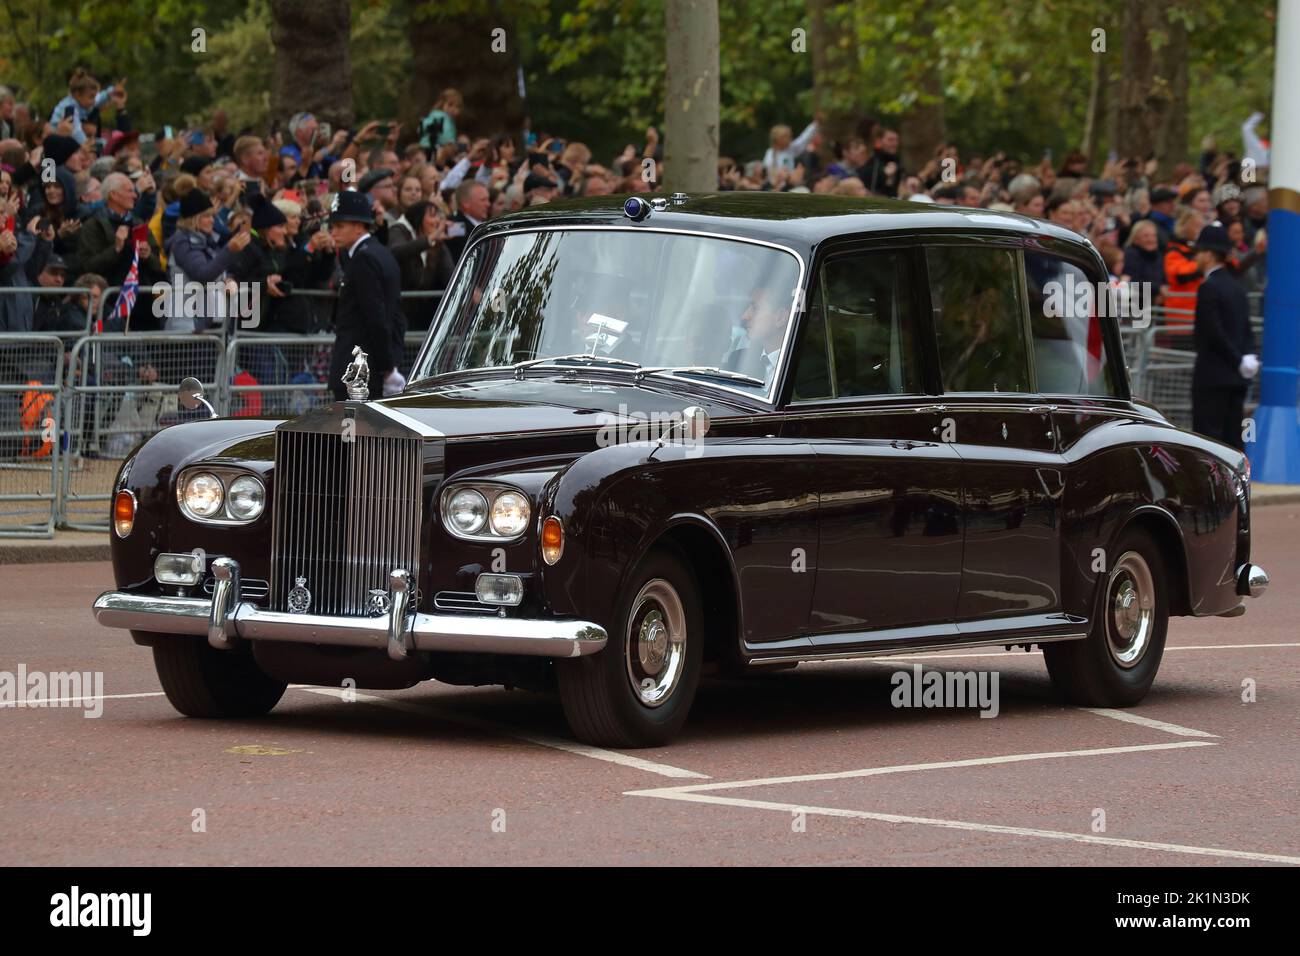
x=906, y=650
x=429, y=632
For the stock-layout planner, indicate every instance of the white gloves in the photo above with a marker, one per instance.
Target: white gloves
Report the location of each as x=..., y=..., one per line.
x=394, y=383
x=1248, y=368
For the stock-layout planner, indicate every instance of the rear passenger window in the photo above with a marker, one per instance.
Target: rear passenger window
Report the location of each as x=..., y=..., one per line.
x=979, y=320
x=859, y=336
x=1069, y=348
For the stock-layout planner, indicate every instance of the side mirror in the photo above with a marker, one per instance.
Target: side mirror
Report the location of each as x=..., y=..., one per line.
x=695, y=423
x=191, y=397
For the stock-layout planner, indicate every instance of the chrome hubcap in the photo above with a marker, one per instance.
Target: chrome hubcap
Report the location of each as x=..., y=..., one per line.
x=656, y=643
x=1132, y=609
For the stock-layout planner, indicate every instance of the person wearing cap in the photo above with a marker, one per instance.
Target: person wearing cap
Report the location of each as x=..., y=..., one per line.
x=1226, y=358
x=203, y=170
x=1163, y=200
x=378, y=186
x=263, y=262
x=193, y=254
x=367, y=312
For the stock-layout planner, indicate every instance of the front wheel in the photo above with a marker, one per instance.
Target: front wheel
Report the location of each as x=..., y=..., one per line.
x=638, y=690
x=1115, y=665
x=201, y=681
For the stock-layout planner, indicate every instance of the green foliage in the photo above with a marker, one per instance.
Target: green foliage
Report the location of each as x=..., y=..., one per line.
x=236, y=71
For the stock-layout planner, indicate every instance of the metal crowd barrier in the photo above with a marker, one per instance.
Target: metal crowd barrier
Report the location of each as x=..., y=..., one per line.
x=31, y=404
x=74, y=403
x=120, y=389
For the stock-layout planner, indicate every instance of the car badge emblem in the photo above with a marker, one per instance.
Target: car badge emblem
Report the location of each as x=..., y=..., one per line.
x=1004, y=430
x=379, y=602
x=299, y=597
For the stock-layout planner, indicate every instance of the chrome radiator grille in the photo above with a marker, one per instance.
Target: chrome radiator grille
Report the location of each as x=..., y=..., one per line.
x=346, y=514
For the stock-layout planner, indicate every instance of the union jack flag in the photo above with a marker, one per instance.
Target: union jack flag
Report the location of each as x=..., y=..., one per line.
x=126, y=297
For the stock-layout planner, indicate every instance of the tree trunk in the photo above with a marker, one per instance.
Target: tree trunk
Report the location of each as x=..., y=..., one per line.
x=691, y=91
x=1095, y=94
x=1172, y=145
x=313, y=71
x=922, y=129
x=828, y=36
x=476, y=53
x=1145, y=92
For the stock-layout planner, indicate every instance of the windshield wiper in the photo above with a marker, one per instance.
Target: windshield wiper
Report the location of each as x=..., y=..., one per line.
x=704, y=371
x=584, y=357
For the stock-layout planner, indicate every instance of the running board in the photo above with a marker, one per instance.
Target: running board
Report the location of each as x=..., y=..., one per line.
x=899, y=641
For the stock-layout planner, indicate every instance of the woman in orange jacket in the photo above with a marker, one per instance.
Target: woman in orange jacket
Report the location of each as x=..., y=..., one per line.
x=1182, y=274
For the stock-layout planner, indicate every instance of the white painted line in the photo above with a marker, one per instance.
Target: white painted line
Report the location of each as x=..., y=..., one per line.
x=78, y=700
x=911, y=768
x=1131, y=718
x=541, y=740
x=680, y=794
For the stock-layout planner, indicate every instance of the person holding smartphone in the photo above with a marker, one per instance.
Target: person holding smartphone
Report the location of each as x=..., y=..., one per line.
x=71, y=115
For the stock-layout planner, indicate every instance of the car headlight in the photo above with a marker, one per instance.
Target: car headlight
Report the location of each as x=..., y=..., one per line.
x=509, y=514
x=467, y=511
x=203, y=495
x=246, y=499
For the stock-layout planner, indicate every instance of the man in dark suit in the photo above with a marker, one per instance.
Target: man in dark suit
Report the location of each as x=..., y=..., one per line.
x=757, y=351
x=473, y=203
x=1225, y=343
x=367, y=312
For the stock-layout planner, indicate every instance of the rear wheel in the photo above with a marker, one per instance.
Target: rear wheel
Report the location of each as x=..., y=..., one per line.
x=201, y=681
x=638, y=690
x=1115, y=665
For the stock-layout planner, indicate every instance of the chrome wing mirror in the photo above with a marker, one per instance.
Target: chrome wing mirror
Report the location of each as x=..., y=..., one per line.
x=191, y=397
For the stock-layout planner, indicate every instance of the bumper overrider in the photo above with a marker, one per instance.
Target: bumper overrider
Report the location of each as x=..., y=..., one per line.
x=224, y=620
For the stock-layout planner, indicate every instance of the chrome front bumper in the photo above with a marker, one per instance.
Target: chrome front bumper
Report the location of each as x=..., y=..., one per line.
x=224, y=619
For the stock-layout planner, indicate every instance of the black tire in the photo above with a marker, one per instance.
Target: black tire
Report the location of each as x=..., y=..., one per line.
x=201, y=681
x=601, y=703
x=1089, y=672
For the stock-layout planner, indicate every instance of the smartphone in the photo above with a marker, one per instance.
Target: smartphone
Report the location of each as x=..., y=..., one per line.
x=455, y=230
x=556, y=147
x=69, y=111
x=42, y=224
x=167, y=132
x=140, y=233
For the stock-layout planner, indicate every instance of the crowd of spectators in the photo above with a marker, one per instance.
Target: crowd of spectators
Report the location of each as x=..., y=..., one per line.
x=88, y=201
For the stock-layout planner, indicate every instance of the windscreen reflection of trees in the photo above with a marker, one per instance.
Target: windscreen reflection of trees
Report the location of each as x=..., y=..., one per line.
x=981, y=335
x=673, y=299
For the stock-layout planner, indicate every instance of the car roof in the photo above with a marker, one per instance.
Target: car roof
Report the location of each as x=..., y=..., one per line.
x=801, y=219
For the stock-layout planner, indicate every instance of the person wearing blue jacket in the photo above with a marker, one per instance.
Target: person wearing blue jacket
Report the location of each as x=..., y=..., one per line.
x=193, y=255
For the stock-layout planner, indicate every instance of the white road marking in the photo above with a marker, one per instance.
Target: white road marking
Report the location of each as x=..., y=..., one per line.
x=78, y=700
x=541, y=740
x=678, y=794
x=911, y=768
x=1131, y=718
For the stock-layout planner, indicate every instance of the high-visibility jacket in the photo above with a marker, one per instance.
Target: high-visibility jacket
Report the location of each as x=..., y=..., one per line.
x=35, y=407
x=1183, y=276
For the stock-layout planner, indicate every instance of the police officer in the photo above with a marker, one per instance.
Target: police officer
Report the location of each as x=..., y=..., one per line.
x=1225, y=343
x=367, y=312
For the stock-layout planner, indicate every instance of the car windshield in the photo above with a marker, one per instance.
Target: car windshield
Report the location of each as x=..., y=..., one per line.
x=707, y=309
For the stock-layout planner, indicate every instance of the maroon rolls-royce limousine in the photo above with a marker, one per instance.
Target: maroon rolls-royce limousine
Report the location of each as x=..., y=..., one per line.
x=664, y=437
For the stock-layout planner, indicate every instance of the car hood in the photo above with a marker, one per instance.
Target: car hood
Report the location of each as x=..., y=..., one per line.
x=506, y=406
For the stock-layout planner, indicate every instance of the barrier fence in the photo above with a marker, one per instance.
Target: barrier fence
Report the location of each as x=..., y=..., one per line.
x=74, y=403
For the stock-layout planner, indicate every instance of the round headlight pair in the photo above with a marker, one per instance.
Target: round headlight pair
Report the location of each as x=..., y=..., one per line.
x=469, y=513
x=204, y=496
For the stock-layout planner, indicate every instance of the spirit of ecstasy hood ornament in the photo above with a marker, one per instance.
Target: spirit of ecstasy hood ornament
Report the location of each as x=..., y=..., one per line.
x=356, y=377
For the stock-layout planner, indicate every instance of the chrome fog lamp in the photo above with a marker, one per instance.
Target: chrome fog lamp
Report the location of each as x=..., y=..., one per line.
x=505, y=589
x=183, y=569
x=509, y=514
x=467, y=511
x=203, y=495
x=246, y=499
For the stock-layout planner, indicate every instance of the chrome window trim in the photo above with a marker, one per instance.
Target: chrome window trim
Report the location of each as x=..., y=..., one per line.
x=227, y=475
x=501, y=487
x=768, y=398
